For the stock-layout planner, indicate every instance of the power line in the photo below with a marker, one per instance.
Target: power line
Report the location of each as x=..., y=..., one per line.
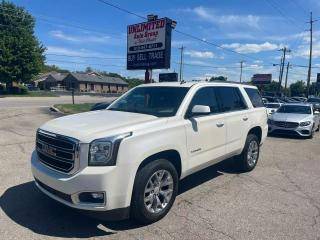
x=289, y=20
x=180, y=32
x=85, y=63
x=78, y=56
x=298, y=5
x=59, y=22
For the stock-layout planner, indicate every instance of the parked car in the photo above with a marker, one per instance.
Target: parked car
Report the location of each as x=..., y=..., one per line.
x=294, y=119
x=130, y=157
x=100, y=106
x=273, y=99
x=272, y=107
x=299, y=99
x=315, y=102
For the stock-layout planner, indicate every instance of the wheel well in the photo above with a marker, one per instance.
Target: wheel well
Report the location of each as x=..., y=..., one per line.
x=172, y=156
x=256, y=131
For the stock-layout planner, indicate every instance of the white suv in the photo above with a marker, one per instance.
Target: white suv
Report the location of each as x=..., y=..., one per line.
x=127, y=160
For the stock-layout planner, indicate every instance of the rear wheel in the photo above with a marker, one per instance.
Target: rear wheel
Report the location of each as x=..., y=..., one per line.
x=154, y=192
x=248, y=159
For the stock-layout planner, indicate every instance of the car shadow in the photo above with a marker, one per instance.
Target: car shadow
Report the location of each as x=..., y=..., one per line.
x=288, y=136
x=28, y=207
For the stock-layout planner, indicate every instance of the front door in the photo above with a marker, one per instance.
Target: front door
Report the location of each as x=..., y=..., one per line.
x=206, y=134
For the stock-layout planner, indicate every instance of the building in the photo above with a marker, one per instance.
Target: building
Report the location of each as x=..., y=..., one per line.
x=94, y=82
x=50, y=81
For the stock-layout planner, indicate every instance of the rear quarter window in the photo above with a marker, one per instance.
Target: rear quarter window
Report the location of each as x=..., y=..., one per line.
x=255, y=97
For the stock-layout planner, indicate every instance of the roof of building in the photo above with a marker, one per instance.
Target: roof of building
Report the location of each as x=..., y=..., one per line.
x=42, y=76
x=96, y=78
x=58, y=76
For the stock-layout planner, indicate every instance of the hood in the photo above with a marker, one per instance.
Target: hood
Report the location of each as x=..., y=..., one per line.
x=96, y=124
x=290, y=117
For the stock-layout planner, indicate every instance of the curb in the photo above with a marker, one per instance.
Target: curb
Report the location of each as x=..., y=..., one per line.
x=54, y=109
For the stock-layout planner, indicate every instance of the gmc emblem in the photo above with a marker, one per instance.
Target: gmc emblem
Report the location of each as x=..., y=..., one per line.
x=48, y=150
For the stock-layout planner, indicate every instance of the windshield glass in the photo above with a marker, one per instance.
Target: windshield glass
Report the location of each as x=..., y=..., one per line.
x=316, y=100
x=157, y=101
x=294, y=109
x=272, y=105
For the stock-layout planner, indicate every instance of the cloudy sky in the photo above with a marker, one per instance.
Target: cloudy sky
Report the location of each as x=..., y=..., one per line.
x=89, y=33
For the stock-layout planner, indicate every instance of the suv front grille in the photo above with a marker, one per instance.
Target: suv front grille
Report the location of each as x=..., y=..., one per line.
x=56, y=151
x=286, y=124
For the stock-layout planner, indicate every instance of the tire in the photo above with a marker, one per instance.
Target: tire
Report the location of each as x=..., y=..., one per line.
x=151, y=172
x=244, y=162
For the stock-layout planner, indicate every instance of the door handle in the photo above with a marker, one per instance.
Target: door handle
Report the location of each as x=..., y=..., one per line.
x=245, y=118
x=220, y=125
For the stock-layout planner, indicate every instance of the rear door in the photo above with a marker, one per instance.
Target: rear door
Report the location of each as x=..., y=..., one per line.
x=206, y=134
x=237, y=120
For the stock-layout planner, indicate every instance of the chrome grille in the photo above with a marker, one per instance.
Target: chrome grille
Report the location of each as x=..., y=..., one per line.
x=286, y=124
x=56, y=151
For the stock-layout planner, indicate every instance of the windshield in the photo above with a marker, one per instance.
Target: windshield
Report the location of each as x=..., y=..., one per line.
x=157, y=101
x=272, y=105
x=316, y=100
x=294, y=109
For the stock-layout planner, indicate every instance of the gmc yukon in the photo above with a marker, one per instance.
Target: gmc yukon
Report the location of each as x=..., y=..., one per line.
x=127, y=160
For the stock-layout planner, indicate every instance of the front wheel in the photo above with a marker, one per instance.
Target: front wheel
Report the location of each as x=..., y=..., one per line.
x=155, y=189
x=248, y=159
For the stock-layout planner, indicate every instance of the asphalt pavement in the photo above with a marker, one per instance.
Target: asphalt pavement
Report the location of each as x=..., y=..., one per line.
x=280, y=199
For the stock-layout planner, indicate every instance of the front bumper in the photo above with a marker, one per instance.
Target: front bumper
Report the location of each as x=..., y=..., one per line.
x=298, y=131
x=66, y=188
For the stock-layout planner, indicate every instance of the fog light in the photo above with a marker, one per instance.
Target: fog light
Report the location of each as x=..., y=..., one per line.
x=92, y=197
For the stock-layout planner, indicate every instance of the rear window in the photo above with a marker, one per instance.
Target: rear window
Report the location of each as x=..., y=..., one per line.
x=230, y=99
x=255, y=97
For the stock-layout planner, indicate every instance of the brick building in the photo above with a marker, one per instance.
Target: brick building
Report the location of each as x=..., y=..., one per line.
x=94, y=82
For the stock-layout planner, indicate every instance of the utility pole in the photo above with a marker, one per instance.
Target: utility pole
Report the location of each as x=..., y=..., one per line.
x=241, y=66
x=286, y=82
x=310, y=53
x=181, y=62
x=284, y=50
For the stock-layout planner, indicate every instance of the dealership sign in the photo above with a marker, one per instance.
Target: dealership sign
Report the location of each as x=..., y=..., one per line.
x=149, y=44
x=261, y=78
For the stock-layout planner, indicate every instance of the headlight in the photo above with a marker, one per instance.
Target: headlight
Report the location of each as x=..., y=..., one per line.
x=270, y=122
x=103, y=152
x=303, y=124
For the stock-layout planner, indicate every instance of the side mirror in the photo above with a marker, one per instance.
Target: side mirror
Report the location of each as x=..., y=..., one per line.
x=199, y=110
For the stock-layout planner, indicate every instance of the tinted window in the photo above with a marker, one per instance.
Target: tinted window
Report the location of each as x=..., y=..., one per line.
x=205, y=96
x=255, y=97
x=158, y=101
x=230, y=99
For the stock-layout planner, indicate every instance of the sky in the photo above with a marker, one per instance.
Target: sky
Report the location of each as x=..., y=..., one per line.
x=85, y=33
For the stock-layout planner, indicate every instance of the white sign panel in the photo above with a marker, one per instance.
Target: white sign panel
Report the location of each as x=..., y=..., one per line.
x=149, y=44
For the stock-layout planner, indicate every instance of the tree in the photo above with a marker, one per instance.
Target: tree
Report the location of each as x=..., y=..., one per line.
x=89, y=70
x=271, y=87
x=298, y=88
x=21, y=54
x=219, y=78
x=53, y=68
x=133, y=82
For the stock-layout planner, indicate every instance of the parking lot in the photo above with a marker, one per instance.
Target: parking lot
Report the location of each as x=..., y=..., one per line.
x=280, y=199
